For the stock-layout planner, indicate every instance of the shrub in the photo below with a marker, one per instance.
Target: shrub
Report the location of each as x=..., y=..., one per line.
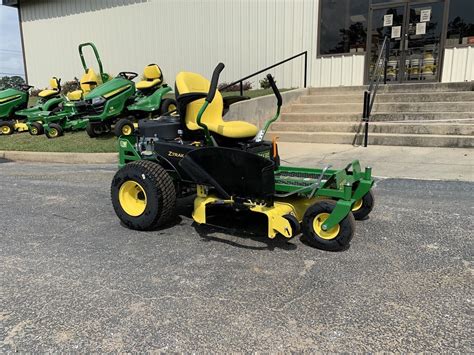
x=247, y=85
x=34, y=92
x=69, y=86
x=265, y=84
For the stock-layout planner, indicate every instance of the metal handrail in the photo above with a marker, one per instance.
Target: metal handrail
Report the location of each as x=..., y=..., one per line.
x=369, y=95
x=240, y=81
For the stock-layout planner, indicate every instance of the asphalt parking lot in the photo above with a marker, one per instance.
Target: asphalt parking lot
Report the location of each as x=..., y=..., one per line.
x=73, y=279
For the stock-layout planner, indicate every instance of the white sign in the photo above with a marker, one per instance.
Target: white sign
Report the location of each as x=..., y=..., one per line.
x=421, y=28
x=425, y=15
x=387, y=20
x=396, y=31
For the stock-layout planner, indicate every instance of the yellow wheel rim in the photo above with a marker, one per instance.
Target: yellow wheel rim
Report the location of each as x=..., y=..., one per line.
x=53, y=132
x=357, y=205
x=318, y=222
x=6, y=130
x=171, y=107
x=132, y=198
x=34, y=131
x=127, y=130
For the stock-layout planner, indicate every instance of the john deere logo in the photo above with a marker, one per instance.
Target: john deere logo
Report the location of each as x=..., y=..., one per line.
x=175, y=155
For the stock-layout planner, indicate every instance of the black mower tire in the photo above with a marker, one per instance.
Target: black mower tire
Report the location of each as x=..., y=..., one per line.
x=51, y=132
x=36, y=129
x=368, y=202
x=339, y=241
x=167, y=105
x=294, y=223
x=159, y=195
x=7, y=128
x=96, y=129
x=124, y=127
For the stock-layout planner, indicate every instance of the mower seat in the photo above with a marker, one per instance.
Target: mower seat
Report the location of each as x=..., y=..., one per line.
x=153, y=77
x=55, y=85
x=88, y=82
x=187, y=83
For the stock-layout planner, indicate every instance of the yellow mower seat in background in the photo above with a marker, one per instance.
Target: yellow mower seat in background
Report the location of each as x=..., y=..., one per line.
x=186, y=83
x=89, y=81
x=55, y=88
x=153, y=77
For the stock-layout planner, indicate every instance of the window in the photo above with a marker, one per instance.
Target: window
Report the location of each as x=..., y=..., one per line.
x=343, y=26
x=460, y=23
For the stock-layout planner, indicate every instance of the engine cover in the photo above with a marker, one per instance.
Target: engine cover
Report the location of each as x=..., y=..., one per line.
x=165, y=128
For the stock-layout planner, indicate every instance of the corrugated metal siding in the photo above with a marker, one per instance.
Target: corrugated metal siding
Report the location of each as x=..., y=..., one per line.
x=458, y=64
x=181, y=35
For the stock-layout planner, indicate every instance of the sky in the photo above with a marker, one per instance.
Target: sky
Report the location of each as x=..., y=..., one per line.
x=11, y=59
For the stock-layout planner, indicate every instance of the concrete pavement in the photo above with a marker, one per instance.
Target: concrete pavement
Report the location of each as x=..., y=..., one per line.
x=72, y=279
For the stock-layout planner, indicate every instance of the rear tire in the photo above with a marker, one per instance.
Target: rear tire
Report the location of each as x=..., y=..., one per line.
x=95, y=129
x=54, y=131
x=36, y=129
x=167, y=105
x=7, y=128
x=335, y=239
x=364, y=206
x=143, y=195
x=124, y=127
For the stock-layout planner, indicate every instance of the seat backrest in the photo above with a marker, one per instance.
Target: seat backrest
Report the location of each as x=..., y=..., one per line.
x=54, y=83
x=152, y=72
x=88, y=79
x=187, y=82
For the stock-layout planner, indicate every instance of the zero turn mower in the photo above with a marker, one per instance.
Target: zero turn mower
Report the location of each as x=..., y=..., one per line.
x=229, y=164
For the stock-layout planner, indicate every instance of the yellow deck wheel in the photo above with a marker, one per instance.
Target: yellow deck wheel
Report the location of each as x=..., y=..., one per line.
x=132, y=198
x=357, y=205
x=318, y=222
x=6, y=130
x=127, y=130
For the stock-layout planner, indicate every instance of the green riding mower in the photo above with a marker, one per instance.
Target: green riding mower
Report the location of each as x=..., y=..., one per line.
x=230, y=164
x=120, y=103
x=11, y=101
x=64, y=116
x=13, y=106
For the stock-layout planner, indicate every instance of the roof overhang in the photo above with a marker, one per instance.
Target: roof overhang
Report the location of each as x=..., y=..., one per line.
x=13, y=3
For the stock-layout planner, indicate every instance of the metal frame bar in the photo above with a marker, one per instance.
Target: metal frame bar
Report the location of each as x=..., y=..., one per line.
x=305, y=80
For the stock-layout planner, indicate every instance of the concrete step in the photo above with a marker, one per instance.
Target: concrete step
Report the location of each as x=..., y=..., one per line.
x=459, y=96
x=320, y=117
x=418, y=140
x=377, y=127
x=338, y=90
x=423, y=107
x=419, y=116
x=327, y=108
x=426, y=87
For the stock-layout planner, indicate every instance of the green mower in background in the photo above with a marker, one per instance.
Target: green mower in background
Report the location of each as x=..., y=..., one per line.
x=228, y=164
x=13, y=106
x=120, y=103
x=65, y=116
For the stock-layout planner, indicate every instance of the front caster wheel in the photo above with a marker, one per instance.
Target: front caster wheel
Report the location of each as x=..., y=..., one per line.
x=143, y=195
x=54, y=131
x=335, y=239
x=36, y=129
x=362, y=208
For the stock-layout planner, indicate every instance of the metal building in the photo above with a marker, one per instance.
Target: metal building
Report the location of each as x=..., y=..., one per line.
x=431, y=40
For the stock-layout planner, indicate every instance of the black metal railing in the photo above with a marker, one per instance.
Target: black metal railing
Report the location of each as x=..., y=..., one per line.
x=241, y=81
x=369, y=95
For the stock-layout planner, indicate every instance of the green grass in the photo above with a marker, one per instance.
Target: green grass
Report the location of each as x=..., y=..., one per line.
x=79, y=142
x=74, y=142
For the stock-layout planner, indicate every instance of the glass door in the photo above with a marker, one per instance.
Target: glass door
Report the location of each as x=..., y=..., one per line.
x=388, y=21
x=422, y=50
x=414, y=31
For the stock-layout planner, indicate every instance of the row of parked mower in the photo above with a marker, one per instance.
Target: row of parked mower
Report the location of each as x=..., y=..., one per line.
x=102, y=103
